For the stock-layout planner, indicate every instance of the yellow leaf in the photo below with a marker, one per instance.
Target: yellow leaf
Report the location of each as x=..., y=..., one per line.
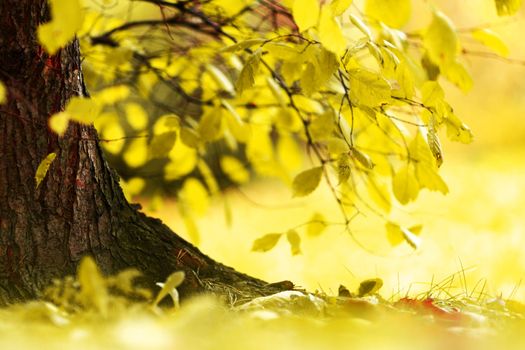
x=59, y=122
x=330, y=33
x=295, y=241
x=396, y=235
x=66, y=20
x=369, y=286
x=307, y=181
x=136, y=116
x=432, y=94
x=210, y=125
x=222, y=81
x=308, y=82
x=316, y=225
x=458, y=131
x=247, y=76
x=343, y=168
x=458, y=74
x=190, y=137
x=266, y=242
x=358, y=22
x=83, y=110
x=136, y=153
x=368, y=88
x=112, y=94
x=208, y=177
x=161, y=144
x=183, y=160
x=508, y=7
x=112, y=136
x=43, y=167
x=440, y=40
x=363, y=158
x=241, y=45
x=132, y=187
x=435, y=146
x=232, y=7
x=305, y=13
x=426, y=170
x=491, y=40
x=406, y=79
x=192, y=230
x=327, y=65
x=289, y=153
x=405, y=185
x=239, y=129
x=195, y=196
x=340, y=6
x=93, y=291
x=393, y=13
x=3, y=93
x=234, y=169
x=169, y=287
x=379, y=194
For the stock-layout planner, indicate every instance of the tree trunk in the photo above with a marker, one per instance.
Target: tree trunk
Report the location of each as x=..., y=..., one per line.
x=79, y=208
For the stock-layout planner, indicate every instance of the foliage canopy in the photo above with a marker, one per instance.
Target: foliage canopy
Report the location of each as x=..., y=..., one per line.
x=206, y=90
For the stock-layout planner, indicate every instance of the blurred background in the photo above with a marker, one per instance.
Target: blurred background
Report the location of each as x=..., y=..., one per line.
x=473, y=238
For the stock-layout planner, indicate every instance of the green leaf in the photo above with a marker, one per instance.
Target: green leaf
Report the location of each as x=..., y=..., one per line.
x=307, y=181
x=405, y=185
x=247, y=76
x=394, y=13
x=491, y=40
x=440, y=40
x=369, y=286
x=266, y=242
x=368, y=88
x=170, y=287
x=508, y=7
x=43, y=167
x=295, y=241
x=305, y=13
x=316, y=225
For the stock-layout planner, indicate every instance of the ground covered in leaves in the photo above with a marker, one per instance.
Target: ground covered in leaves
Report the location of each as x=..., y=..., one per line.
x=86, y=315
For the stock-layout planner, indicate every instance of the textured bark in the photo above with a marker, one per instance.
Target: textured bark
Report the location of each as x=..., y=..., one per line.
x=79, y=208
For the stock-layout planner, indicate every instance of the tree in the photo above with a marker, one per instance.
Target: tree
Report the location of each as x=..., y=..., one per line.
x=366, y=105
x=79, y=209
